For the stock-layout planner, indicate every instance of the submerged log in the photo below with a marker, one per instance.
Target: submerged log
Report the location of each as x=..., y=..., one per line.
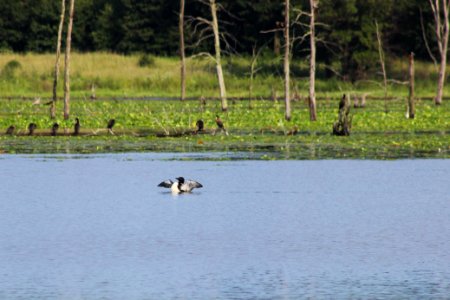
x=343, y=125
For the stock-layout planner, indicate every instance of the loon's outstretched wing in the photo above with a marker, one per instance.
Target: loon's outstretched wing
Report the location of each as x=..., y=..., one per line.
x=167, y=184
x=189, y=185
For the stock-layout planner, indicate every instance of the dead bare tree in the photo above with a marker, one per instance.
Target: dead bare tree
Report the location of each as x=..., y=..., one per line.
x=203, y=28
x=287, y=81
x=383, y=67
x=276, y=43
x=58, y=56
x=343, y=125
x=182, y=53
x=442, y=26
x=310, y=30
x=312, y=61
x=67, y=62
x=411, y=106
x=253, y=70
x=424, y=36
x=215, y=27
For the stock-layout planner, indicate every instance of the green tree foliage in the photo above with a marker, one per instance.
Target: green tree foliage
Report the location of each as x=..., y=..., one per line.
x=42, y=33
x=346, y=40
x=14, y=22
x=150, y=26
x=104, y=32
x=350, y=33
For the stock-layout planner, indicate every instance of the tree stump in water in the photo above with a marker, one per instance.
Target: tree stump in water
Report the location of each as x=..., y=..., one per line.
x=344, y=123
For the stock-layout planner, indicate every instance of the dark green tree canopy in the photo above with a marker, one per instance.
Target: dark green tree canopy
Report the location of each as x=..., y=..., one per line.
x=346, y=32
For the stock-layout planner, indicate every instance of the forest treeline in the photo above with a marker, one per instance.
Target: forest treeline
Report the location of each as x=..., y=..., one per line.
x=346, y=31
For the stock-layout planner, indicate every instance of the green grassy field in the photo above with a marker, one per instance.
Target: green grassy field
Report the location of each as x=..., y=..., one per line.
x=30, y=75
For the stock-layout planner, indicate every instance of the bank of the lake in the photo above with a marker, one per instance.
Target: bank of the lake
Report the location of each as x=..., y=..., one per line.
x=257, y=128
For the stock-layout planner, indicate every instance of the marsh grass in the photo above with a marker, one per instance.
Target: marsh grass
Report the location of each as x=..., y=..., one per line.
x=117, y=75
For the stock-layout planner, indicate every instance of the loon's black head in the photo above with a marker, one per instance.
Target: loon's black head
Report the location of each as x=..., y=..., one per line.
x=180, y=179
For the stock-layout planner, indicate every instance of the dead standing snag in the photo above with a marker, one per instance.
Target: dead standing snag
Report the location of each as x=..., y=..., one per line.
x=343, y=125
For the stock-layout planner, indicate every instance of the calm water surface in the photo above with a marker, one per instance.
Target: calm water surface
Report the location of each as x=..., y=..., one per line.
x=97, y=227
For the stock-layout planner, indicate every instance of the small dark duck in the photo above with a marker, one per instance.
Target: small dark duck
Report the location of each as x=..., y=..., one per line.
x=55, y=128
x=200, y=126
x=76, y=127
x=31, y=128
x=220, y=125
x=10, y=130
x=111, y=125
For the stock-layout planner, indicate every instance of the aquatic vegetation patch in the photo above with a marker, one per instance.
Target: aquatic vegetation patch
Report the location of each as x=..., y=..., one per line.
x=169, y=126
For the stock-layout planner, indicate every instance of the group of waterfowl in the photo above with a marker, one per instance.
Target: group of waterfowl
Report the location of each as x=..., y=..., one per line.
x=200, y=127
x=54, y=130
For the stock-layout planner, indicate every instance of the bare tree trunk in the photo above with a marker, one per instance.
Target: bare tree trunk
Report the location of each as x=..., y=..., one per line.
x=287, y=99
x=383, y=67
x=363, y=100
x=182, y=54
x=441, y=78
x=67, y=62
x=276, y=43
x=312, y=63
x=424, y=35
x=442, y=35
x=58, y=56
x=252, y=75
x=215, y=26
x=411, y=106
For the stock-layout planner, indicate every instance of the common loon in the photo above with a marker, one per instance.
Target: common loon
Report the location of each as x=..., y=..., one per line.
x=181, y=185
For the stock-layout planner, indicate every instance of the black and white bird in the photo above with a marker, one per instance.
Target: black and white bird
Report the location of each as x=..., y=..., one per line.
x=181, y=185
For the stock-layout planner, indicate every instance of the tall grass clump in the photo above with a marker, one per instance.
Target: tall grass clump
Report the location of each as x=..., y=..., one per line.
x=146, y=60
x=9, y=70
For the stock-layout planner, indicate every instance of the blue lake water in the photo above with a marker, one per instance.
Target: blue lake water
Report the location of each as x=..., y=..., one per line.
x=98, y=227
